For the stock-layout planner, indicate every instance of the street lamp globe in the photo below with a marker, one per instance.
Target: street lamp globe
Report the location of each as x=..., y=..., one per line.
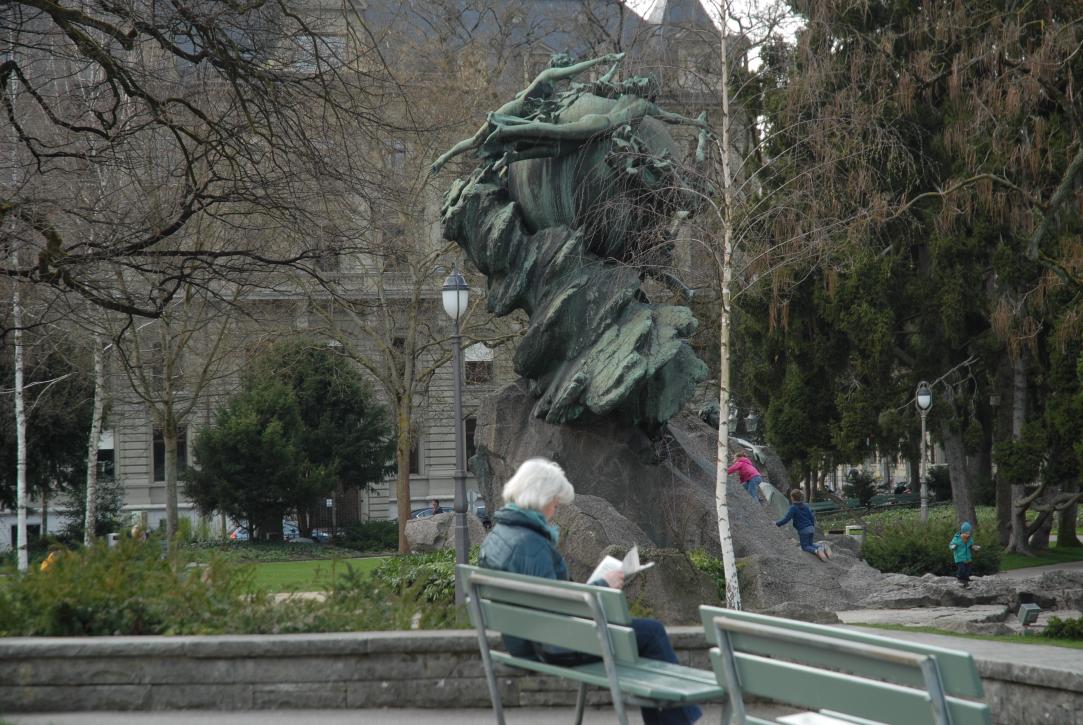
x=456, y=294
x=924, y=396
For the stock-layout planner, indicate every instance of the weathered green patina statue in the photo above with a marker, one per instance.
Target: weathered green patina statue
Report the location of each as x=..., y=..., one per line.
x=578, y=195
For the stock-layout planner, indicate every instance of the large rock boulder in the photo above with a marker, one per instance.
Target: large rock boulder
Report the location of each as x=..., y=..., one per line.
x=589, y=528
x=438, y=532
x=652, y=483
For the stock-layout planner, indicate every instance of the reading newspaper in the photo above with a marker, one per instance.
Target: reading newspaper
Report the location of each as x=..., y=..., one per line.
x=630, y=566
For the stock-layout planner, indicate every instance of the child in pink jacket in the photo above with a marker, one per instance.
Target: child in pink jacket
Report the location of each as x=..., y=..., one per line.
x=750, y=477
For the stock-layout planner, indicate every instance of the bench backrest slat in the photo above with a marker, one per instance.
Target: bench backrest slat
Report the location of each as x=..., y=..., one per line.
x=810, y=687
x=552, y=612
x=613, y=602
x=957, y=671
x=561, y=630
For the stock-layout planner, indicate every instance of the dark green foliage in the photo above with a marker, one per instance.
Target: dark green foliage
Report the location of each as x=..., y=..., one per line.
x=302, y=425
x=938, y=481
x=860, y=485
x=59, y=403
x=902, y=544
x=1020, y=461
x=422, y=577
x=126, y=589
x=345, y=431
x=712, y=566
x=1057, y=628
x=370, y=536
x=109, y=518
x=252, y=465
x=132, y=589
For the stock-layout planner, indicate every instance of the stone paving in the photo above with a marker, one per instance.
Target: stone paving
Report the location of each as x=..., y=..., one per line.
x=514, y=716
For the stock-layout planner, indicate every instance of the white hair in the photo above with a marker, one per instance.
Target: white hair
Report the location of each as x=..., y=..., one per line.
x=537, y=482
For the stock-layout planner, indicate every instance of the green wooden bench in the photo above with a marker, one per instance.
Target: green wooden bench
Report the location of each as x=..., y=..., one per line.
x=587, y=619
x=847, y=676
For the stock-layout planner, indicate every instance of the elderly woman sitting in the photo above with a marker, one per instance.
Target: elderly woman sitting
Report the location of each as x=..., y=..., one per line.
x=524, y=541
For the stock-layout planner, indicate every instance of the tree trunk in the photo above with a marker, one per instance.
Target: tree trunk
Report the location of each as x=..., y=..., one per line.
x=955, y=451
x=1017, y=541
x=89, y=523
x=1041, y=528
x=913, y=467
x=402, y=475
x=169, y=440
x=1066, y=522
x=725, y=536
x=44, y=512
x=21, y=498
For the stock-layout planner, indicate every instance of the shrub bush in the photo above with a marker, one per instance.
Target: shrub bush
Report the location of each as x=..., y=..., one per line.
x=859, y=485
x=712, y=566
x=132, y=589
x=1058, y=628
x=899, y=542
x=370, y=536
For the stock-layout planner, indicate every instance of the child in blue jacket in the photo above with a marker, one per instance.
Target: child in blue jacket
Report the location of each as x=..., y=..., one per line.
x=962, y=547
x=804, y=520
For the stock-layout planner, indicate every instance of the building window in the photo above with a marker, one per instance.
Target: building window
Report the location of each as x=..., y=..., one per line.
x=159, y=453
x=479, y=364
x=415, y=457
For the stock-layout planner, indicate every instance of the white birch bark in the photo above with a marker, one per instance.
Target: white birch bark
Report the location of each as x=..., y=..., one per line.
x=21, y=502
x=92, y=446
x=725, y=536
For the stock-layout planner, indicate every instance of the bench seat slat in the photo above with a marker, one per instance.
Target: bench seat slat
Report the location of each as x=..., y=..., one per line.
x=673, y=683
x=805, y=686
x=957, y=671
x=558, y=629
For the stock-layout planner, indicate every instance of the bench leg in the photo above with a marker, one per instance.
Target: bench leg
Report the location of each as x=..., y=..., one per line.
x=486, y=658
x=580, y=703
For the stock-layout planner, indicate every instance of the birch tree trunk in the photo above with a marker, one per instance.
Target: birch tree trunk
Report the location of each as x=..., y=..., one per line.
x=725, y=536
x=92, y=444
x=21, y=502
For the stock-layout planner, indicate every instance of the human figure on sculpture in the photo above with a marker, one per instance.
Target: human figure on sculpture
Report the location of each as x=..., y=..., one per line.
x=523, y=541
x=748, y=473
x=962, y=547
x=804, y=520
x=520, y=108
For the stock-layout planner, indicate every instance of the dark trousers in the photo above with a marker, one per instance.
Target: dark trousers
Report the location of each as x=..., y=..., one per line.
x=962, y=572
x=653, y=644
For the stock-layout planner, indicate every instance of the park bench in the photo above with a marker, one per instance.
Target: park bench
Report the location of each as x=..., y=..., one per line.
x=844, y=675
x=588, y=619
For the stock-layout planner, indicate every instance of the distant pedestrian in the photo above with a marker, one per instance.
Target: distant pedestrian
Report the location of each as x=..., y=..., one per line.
x=804, y=520
x=435, y=506
x=963, y=548
x=750, y=477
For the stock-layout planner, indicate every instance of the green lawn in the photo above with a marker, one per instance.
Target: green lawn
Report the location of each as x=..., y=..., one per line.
x=307, y=576
x=1012, y=638
x=1054, y=555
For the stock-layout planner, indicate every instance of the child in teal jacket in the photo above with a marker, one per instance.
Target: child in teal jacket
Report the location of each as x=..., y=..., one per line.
x=962, y=548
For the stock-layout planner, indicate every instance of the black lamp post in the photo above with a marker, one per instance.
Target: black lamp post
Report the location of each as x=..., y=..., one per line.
x=456, y=297
x=923, y=398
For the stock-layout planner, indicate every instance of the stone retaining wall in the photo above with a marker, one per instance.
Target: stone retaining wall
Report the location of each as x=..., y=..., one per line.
x=361, y=670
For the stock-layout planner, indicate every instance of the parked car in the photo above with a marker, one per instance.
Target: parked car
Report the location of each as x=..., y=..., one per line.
x=479, y=511
x=427, y=512
x=239, y=534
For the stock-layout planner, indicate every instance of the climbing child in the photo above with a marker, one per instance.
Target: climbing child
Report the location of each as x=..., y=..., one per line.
x=750, y=477
x=804, y=520
x=963, y=547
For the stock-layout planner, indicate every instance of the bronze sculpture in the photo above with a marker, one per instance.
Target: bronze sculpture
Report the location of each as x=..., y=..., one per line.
x=577, y=196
